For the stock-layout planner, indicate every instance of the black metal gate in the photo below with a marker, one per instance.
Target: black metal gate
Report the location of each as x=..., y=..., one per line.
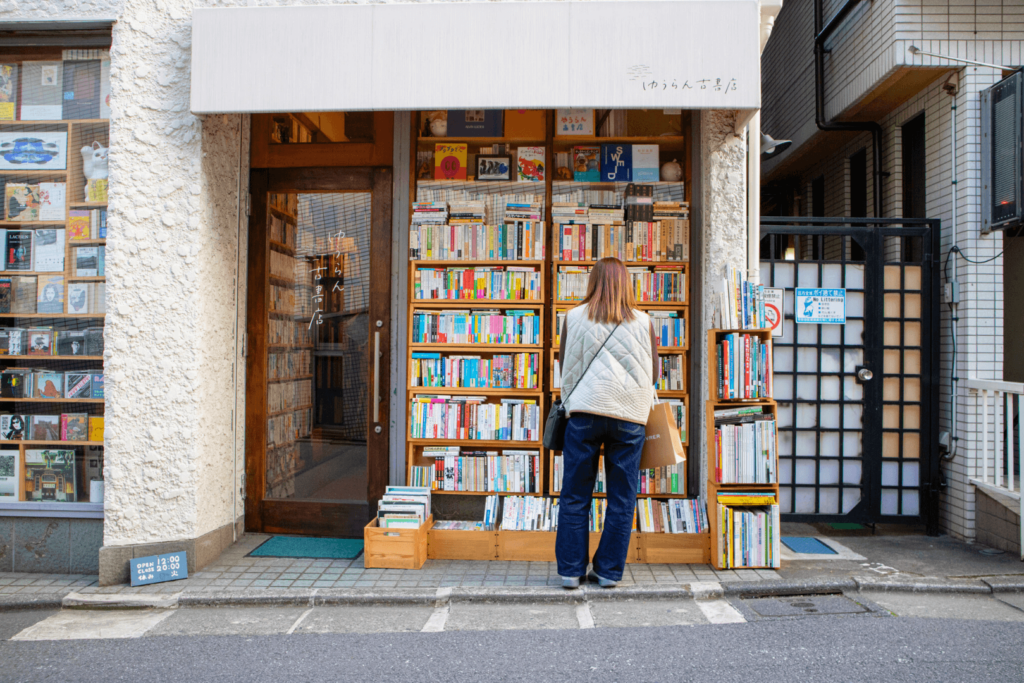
x=858, y=403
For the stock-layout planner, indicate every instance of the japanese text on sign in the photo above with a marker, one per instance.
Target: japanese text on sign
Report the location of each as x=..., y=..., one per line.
x=159, y=568
x=820, y=306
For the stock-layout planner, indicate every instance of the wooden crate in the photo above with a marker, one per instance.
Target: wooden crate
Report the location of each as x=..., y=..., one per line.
x=675, y=548
x=395, y=548
x=452, y=544
x=632, y=557
x=526, y=546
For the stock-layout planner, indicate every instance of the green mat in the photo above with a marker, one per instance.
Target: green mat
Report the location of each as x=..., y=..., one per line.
x=846, y=526
x=310, y=547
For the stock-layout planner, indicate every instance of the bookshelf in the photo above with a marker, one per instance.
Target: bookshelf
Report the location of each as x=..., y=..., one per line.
x=63, y=468
x=537, y=545
x=767, y=406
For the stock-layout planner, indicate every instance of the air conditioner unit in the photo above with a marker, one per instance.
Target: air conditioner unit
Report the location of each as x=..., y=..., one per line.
x=1002, y=131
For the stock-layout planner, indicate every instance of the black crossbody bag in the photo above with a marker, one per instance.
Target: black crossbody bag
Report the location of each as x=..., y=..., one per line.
x=554, y=428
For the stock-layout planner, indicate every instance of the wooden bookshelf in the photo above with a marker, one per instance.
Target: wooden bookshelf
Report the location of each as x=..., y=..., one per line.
x=768, y=406
x=538, y=545
x=80, y=132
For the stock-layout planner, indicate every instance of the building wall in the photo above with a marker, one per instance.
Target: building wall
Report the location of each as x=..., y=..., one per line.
x=175, y=264
x=979, y=328
x=870, y=45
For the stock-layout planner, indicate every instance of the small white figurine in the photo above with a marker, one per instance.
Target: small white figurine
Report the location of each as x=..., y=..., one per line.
x=671, y=171
x=94, y=161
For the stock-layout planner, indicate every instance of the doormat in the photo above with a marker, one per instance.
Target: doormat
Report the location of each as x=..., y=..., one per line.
x=310, y=547
x=847, y=526
x=806, y=545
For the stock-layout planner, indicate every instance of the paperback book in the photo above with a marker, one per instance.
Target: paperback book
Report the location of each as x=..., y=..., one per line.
x=50, y=475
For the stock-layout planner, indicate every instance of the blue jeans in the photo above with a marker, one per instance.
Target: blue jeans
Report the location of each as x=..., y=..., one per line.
x=623, y=442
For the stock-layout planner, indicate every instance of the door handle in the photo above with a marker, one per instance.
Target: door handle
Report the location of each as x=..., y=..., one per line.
x=376, y=378
x=864, y=374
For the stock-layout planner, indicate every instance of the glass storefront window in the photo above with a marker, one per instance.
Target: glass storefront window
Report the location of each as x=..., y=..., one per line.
x=54, y=141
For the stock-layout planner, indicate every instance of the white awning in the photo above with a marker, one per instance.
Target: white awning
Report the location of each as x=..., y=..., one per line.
x=692, y=54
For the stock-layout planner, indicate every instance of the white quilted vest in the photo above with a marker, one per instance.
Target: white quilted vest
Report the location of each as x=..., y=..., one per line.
x=618, y=383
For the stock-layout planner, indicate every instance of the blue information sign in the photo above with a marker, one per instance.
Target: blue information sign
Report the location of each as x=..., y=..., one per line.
x=821, y=306
x=159, y=568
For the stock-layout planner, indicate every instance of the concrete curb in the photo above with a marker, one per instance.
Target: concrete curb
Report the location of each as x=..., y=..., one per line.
x=13, y=603
x=120, y=601
x=506, y=594
x=922, y=584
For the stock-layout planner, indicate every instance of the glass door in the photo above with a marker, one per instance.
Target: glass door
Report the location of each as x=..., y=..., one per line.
x=318, y=342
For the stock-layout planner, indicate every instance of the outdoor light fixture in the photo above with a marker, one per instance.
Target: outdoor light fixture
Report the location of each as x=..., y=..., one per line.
x=770, y=146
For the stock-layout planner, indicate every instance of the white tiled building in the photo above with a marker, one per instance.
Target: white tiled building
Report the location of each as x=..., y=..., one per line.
x=871, y=74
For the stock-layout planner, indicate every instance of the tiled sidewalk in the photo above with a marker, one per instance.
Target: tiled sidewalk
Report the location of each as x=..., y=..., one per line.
x=234, y=571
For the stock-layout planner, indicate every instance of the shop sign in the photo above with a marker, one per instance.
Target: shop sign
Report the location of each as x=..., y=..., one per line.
x=159, y=568
x=773, y=310
x=820, y=306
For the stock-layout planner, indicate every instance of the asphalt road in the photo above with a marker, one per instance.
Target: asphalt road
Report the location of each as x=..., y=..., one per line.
x=882, y=637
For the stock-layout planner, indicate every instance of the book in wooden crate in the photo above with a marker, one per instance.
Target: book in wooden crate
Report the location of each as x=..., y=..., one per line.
x=395, y=548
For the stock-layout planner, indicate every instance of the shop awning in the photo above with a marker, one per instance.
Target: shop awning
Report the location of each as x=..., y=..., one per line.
x=693, y=54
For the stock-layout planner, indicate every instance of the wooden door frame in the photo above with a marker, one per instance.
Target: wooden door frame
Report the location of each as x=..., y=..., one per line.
x=311, y=517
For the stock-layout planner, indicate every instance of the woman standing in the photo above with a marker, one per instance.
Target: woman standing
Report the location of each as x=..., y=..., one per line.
x=609, y=365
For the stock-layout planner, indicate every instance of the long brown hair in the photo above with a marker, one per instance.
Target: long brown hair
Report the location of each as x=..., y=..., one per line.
x=610, y=293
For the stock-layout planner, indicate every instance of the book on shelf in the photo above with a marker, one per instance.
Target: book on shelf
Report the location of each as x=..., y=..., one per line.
x=739, y=303
x=81, y=98
x=24, y=289
x=646, y=167
x=616, y=162
x=743, y=366
x=5, y=301
x=748, y=537
x=98, y=224
x=531, y=164
x=475, y=123
x=519, y=239
x=673, y=373
x=502, y=371
x=77, y=384
x=16, y=383
x=96, y=428
x=40, y=341
x=19, y=250
x=745, y=449
x=51, y=294
x=586, y=163
x=50, y=475
x=468, y=417
x=78, y=297
x=79, y=225
x=674, y=218
x=450, y=161
x=41, y=91
x=476, y=327
x=48, y=385
x=525, y=124
x=10, y=471
x=74, y=427
x=96, y=190
x=669, y=328
x=632, y=241
x=504, y=283
x=45, y=427
x=87, y=261
x=94, y=341
x=52, y=201
x=13, y=341
x=574, y=122
x=529, y=513
x=8, y=91
x=558, y=475
x=97, y=385
x=676, y=516
x=48, y=246
x=678, y=409
x=459, y=469
x=14, y=427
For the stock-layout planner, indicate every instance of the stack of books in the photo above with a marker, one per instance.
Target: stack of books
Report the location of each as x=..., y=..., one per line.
x=748, y=536
x=745, y=451
x=678, y=516
x=744, y=365
x=664, y=284
x=669, y=327
x=512, y=283
x=519, y=240
x=467, y=211
x=476, y=327
x=468, y=417
x=529, y=513
x=509, y=371
x=457, y=469
x=739, y=303
x=403, y=507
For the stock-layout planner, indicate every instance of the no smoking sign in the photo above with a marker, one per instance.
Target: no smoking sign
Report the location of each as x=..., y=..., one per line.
x=773, y=311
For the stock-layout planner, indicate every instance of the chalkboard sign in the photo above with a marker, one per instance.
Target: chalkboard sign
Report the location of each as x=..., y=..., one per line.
x=159, y=568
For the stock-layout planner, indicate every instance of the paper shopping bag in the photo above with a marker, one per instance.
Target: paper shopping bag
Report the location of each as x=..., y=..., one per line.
x=662, y=446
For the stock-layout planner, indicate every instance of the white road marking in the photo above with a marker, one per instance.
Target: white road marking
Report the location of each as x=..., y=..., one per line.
x=720, y=612
x=437, y=620
x=94, y=624
x=298, y=621
x=584, y=615
x=706, y=590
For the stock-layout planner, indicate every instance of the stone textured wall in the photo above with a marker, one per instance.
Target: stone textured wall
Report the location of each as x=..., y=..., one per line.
x=724, y=178
x=171, y=267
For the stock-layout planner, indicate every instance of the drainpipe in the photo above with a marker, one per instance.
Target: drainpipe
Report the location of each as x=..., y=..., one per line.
x=754, y=199
x=822, y=34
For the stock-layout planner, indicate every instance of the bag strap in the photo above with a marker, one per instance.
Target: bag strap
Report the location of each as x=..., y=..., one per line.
x=591, y=362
